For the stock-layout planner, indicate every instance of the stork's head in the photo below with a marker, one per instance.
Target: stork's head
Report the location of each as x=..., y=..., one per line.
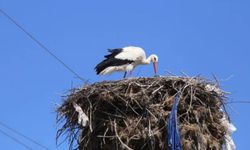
x=154, y=59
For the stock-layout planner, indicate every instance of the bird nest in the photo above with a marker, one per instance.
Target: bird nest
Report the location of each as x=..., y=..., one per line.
x=133, y=114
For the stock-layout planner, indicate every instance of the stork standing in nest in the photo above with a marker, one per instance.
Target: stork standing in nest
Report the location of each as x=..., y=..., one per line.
x=125, y=59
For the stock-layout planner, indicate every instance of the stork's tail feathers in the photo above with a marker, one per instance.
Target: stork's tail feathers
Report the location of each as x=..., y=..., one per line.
x=99, y=67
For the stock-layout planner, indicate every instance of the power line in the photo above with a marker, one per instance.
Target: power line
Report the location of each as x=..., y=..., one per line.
x=22, y=135
x=41, y=44
x=16, y=140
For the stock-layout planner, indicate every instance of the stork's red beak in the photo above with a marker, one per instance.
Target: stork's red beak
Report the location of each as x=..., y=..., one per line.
x=155, y=67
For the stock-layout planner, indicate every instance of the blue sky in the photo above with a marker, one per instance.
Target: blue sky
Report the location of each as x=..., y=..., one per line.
x=196, y=37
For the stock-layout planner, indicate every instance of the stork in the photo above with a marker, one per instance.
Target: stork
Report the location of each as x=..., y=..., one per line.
x=125, y=59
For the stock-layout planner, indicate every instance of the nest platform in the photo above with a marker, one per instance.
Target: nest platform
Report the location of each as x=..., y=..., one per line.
x=133, y=114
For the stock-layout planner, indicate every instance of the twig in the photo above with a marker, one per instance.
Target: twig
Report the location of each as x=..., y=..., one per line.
x=157, y=89
x=123, y=144
x=152, y=114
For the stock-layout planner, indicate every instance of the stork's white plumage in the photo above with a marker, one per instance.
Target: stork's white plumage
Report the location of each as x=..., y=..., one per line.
x=125, y=59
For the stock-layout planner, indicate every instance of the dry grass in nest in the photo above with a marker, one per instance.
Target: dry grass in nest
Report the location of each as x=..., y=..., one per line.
x=133, y=114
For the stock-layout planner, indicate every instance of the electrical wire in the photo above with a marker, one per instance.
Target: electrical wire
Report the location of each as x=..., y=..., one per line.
x=22, y=135
x=41, y=45
x=55, y=57
x=16, y=140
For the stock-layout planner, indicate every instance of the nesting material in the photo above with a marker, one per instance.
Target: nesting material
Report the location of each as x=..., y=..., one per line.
x=133, y=113
x=82, y=117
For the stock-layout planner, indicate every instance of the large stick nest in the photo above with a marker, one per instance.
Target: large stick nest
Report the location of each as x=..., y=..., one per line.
x=133, y=114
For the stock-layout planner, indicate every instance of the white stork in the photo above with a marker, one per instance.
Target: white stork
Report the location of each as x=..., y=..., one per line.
x=125, y=59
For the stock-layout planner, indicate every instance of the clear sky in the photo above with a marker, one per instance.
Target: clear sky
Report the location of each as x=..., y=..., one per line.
x=196, y=37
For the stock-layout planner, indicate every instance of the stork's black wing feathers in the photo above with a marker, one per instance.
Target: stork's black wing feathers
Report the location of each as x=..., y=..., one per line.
x=113, y=52
x=111, y=62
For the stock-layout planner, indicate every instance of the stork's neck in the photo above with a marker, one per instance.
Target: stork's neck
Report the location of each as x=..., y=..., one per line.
x=147, y=61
